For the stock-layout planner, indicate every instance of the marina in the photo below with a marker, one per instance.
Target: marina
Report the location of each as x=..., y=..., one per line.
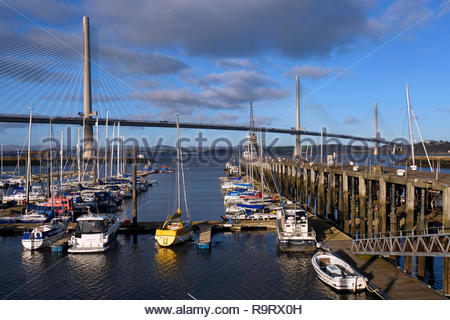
x=164, y=162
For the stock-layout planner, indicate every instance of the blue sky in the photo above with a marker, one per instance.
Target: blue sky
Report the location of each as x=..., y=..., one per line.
x=208, y=59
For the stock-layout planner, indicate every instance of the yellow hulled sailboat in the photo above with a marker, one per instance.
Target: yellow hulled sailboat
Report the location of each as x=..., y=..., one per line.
x=174, y=229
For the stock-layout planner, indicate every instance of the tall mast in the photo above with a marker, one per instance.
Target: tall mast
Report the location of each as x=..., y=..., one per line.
x=297, y=151
x=375, y=150
x=2, y=156
x=178, y=164
x=106, y=145
x=18, y=163
x=112, y=152
x=79, y=156
x=118, y=149
x=413, y=167
x=51, y=162
x=61, y=164
x=29, y=161
x=97, y=156
x=261, y=167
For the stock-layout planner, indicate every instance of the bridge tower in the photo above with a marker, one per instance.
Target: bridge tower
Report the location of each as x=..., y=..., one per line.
x=88, y=149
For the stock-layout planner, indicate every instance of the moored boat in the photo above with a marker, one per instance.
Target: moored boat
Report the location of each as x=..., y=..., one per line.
x=174, y=229
x=94, y=233
x=337, y=273
x=45, y=235
x=294, y=232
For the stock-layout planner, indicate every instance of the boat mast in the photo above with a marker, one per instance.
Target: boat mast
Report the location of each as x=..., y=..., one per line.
x=97, y=151
x=118, y=150
x=78, y=156
x=106, y=145
x=2, y=156
x=29, y=162
x=261, y=167
x=61, y=164
x=51, y=162
x=413, y=167
x=112, y=152
x=178, y=164
x=188, y=214
x=18, y=163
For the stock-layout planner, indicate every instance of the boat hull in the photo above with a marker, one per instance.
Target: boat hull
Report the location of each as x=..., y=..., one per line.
x=353, y=282
x=297, y=245
x=167, y=240
x=34, y=244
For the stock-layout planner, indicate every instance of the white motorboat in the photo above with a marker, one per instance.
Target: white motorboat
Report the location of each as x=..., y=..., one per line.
x=337, y=273
x=45, y=235
x=94, y=233
x=294, y=232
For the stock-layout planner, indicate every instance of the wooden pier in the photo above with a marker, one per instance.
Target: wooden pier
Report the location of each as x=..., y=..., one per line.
x=366, y=201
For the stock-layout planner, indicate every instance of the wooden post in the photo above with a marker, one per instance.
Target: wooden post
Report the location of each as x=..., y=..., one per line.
x=421, y=227
x=134, y=197
x=362, y=206
x=345, y=202
x=341, y=203
x=353, y=207
x=410, y=197
x=446, y=224
x=331, y=196
x=370, y=209
x=382, y=204
x=321, y=196
x=305, y=186
x=393, y=213
x=312, y=196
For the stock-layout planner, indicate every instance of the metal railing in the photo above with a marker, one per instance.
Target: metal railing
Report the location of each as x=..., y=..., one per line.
x=426, y=242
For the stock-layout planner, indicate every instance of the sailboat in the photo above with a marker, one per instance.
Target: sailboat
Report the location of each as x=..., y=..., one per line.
x=174, y=229
x=47, y=234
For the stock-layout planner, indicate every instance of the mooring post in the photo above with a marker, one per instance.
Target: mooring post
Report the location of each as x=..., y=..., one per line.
x=410, y=197
x=134, y=197
x=312, y=197
x=382, y=204
x=340, y=203
x=362, y=206
x=446, y=224
x=353, y=207
x=421, y=227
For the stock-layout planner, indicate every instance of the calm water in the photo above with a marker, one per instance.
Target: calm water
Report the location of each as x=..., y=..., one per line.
x=243, y=265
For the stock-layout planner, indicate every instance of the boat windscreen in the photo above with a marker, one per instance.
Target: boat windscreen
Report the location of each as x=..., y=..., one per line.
x=91, y=226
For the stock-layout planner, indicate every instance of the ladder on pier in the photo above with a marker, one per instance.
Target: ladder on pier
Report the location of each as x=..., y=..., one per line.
x=432, y=242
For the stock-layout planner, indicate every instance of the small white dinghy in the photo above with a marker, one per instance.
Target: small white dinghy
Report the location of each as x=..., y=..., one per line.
x=337, y=273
